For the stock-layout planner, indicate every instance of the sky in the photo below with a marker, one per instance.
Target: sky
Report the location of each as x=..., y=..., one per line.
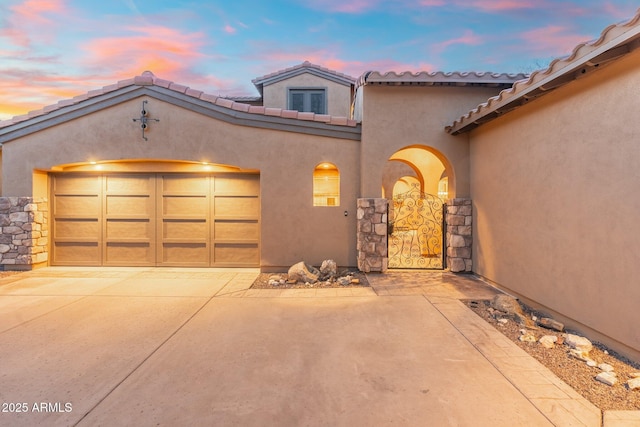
x=56, y=49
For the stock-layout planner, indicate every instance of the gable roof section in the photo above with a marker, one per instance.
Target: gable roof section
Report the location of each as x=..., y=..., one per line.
x=614, y=42
x=209, y=105
x=439, y=78
x=305, y=67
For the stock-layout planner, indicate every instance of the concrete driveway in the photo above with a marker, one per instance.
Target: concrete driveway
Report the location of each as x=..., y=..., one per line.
x=150, y=346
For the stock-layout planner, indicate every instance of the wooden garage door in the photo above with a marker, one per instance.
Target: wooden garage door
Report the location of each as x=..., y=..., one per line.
x=156, y=219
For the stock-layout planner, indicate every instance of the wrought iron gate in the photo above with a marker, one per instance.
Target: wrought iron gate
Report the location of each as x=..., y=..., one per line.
x=416, y=237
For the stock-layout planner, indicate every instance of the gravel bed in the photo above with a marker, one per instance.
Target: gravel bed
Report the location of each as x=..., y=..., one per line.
x=262, y=282
x=572, y=371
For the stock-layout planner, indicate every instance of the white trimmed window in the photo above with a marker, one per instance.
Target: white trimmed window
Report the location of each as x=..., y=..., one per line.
x=308, y=100
x=326, y=185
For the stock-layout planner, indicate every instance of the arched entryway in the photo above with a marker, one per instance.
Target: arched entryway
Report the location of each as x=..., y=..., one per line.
x=417, y=181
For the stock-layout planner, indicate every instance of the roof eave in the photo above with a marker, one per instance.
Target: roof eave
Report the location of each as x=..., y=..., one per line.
x=525, y=91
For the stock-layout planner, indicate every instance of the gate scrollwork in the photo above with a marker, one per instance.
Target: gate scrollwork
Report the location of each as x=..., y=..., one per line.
x=416, y=231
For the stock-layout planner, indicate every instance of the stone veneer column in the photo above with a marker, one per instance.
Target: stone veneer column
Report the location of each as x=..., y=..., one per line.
x=372, y=235
x=24, y=232
x=459, y=239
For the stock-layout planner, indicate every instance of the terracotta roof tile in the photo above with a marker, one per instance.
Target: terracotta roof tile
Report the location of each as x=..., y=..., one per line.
x=256, y=109
x=194, y=93
x=162, y=83
x=222, y=102
x=148, y=79
x=178, y=88
x=208, y=97
x=125, y=83
x=273, y=112
x=238, y=106
x=306, y=116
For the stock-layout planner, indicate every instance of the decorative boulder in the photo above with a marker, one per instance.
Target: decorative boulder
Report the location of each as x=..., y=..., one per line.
x=301, y=272
x=578, y=343
x=510, y=306
x=328, y=269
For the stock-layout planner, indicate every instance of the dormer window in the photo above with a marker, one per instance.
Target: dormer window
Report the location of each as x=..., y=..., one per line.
x=312, y=100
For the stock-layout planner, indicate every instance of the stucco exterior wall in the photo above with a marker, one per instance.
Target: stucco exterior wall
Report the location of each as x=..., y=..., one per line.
x=554, y=188
x=338, y=96
x=398, y=117
x=292, y=229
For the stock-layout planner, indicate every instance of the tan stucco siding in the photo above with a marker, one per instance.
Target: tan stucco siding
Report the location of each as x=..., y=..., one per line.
x=291, y=228
x=398, y=117
x=338, y=95
x=554, y=187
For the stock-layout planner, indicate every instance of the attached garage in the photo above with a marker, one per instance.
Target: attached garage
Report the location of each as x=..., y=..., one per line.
x=155, y=219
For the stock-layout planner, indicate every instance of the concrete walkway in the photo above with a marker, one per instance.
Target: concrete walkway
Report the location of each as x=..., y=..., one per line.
x=147, y=346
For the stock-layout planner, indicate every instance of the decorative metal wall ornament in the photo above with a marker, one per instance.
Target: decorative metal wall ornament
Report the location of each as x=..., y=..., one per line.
x=144, y=119
x=415, y=238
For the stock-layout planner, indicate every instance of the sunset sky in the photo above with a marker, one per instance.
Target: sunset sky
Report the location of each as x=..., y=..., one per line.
x=56, y=49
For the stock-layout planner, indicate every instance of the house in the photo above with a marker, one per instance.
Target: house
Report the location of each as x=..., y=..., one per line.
x=534, y=177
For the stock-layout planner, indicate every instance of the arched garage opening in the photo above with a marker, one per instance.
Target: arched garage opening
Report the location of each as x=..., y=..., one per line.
x=154, y=213
x=417, y=181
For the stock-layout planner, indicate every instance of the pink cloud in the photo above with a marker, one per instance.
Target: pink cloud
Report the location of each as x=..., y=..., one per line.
x=552, y=40
x=343, y=6
x=33, y=19
x=162, y=50
x=229, y=29
x=468, y=38
x=501, y=5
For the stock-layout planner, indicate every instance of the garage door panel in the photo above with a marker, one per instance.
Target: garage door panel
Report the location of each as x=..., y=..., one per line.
x=185, y=207
x=235, y=254
x=129, y=226
x=129, y=229
x=193, y=254
x=236, y=230
x=77, y=253
x=134, y=206
x=129, y=184
x=194, y=229
x=156, y=219
x=185, y=184
x=77, y=206
x=243, y=185
x=236, y=207
x=121, y=253
x=77, y=184
x=66, y=228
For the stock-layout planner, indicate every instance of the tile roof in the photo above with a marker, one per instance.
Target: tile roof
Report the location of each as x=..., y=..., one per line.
x=614, y=42
x=439, y=78
x=305, y=67
x=149, y=79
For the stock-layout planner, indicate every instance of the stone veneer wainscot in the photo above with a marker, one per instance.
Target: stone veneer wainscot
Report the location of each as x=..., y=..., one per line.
x=24, y=233
x=459, y=239
x=372, y=235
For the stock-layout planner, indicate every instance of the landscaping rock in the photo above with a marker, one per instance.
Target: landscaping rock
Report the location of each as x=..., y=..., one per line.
x=605, y=367
x=328, y=269
x=510, y=306
x=551, y=324
x=548, y=341
x=607, y=378
x=633, y=383
x=302, y=272
x=528, y=337
x=578, y=343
